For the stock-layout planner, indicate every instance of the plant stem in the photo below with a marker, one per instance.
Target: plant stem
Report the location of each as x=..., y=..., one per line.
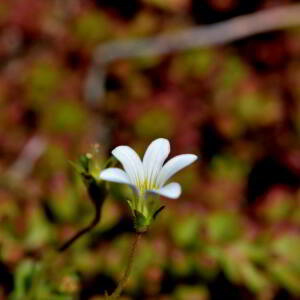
x=116, y=294
x=83, y=231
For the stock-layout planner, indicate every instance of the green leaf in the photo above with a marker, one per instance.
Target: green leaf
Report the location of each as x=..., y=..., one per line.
x=185, y=232
x=39, y=232
x=234, y=71
x=78, y=168
x=158, y=212
x=65, y=116
x=230, y=268
x=288, y=248
x=84, y=161
x=223, y=227
x=91, y=28
x=23, y=278
x=155, y=123
x=255, y=108
x=185, y=292
x=42, y=80
x=254, y=279
x=228, y=167
x=287, y=277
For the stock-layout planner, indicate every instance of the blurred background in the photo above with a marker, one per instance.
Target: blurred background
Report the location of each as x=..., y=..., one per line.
x=233, y=234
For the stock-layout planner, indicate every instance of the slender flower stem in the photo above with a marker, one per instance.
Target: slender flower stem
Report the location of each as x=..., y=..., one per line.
x=116, y=294
x=83, y=231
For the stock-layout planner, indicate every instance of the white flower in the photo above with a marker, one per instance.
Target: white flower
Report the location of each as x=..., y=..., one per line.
x=150, y=175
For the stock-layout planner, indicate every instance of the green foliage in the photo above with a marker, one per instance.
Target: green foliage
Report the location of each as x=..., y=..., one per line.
x=23, y=279
x=62, y=204
x=288, y=248
x=224, y=227
x=286, y=276
x=155, y=123
x=278, y=206
x=185, y=232
x=91, y=28
x=234, y=71
x=185, y=292
x=41, y=82
x=65, y=117
x=256, y=109
x=228, y=167
x=34, y=280
x=39, y=232
x=255, y=279
x=198, y=63
x=54, y=158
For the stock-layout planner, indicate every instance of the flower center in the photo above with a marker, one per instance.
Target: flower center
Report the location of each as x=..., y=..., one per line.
x=146, y=185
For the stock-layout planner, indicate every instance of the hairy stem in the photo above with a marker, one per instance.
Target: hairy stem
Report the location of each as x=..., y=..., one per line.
x=116, y=294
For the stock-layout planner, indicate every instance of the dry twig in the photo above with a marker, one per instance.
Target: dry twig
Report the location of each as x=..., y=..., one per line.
x=201, y=36
x=196, y=37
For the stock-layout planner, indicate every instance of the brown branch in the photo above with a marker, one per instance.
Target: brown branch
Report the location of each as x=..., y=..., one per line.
x=30, y=154
x=201, y=36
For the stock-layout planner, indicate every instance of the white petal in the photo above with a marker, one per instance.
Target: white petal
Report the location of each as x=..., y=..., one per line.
x=131, y=162
x=115, y=175
x=154, y=157
x=173, y=166
x=171, y=190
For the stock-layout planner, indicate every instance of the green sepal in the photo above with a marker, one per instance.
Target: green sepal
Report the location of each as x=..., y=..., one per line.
x=111, y=162
x=76, y=167
x=158, y=212
x=141, y=223
x=129, y=202
x=84, y=161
